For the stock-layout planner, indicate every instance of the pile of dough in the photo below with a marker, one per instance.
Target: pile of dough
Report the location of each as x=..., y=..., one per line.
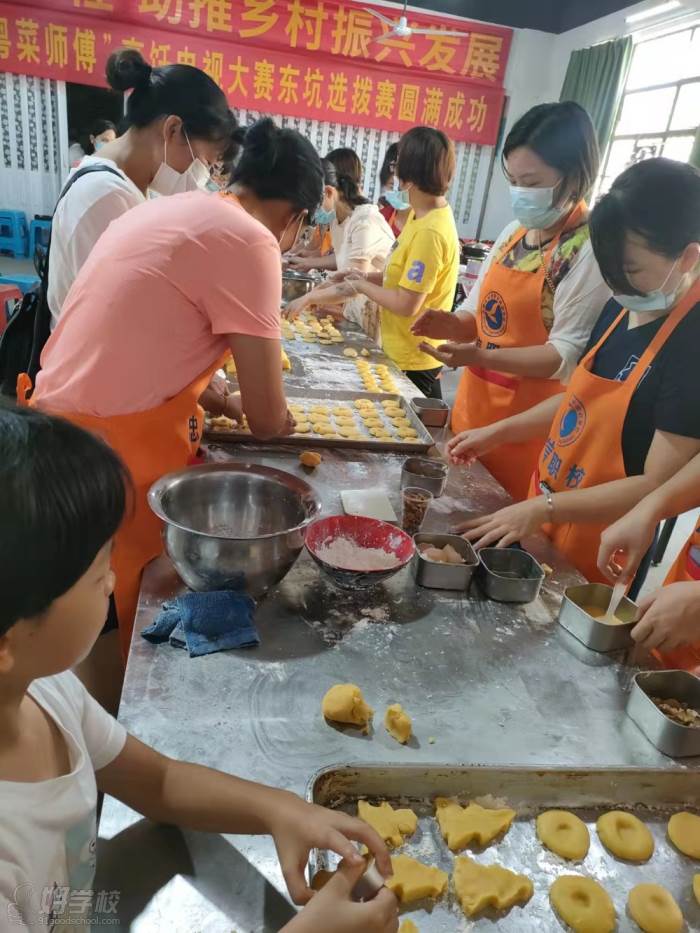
x=684, y=833
x=582, y=904
x=398, y=723
x=625, y=836
x=654, y=910
x=564, y=834
x=345, y=703
x=462, y=825
x=413, y=881
x=392, y=825
x=480, y=886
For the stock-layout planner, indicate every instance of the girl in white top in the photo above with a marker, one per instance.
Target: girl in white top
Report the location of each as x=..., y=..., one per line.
x=179, y=125
x=362, y=240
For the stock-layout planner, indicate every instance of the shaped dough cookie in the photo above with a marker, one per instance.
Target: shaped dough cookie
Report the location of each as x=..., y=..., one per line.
x=564, y=834
x=582, y=904
x=302, y=427
x=462, y=825
x=408, y=926
x=413, y=881
x=654, y=910
x=398, y=723
x=625, y=836
x=684, y=833
x=345, y=703
x=392, y=825
x=480, y=886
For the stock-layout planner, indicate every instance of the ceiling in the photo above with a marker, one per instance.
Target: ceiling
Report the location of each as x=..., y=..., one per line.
x=547, y=15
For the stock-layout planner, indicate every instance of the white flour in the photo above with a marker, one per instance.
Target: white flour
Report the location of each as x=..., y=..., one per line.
x=347, y=555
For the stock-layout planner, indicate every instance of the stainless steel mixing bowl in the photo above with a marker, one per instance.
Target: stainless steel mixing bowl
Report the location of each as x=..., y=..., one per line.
x=296, y=283
x=233, y=525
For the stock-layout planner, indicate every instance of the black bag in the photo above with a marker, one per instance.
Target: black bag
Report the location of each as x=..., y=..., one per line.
x=30, y=326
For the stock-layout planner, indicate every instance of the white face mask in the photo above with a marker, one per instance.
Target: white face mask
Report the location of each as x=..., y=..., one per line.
x=656, y=300
x=167, y=181
x=534, y=208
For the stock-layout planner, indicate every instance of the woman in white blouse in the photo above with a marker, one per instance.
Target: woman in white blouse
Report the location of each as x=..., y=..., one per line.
x=362, y=240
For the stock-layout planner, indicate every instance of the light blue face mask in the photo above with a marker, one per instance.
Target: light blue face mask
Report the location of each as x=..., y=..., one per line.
x=99, y=143
x=533, y=207
x=323, y=218
x=397, y=199
x=656, y=300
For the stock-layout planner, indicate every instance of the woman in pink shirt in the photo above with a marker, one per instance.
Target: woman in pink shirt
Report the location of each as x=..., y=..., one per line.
x=168, y=291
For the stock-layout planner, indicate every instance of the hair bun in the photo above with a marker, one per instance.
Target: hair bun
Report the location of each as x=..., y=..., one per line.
x=262, y=139
x=127, y=69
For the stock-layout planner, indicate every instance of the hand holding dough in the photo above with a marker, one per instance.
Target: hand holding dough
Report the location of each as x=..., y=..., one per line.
x=564, y=834
x=625, y=836
x=398, y=723
x=413, y=881
x=654, y=910
x=462, y=825
x=345, y=703
x=392, y=825
x=684, y=833
x=582, y=904
x=480, y=886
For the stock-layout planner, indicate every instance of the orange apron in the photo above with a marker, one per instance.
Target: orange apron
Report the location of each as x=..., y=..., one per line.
x=585, y=444
x=510, y=315
x=685, y=570
x=151, y=443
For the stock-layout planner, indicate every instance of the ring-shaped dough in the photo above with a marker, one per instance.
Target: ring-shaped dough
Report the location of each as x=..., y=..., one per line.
x=654, y=910
x=564, y=834
x=625, y=836
x=582, y=904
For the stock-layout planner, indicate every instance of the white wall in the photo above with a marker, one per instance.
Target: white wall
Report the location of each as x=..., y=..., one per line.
x=536, y=69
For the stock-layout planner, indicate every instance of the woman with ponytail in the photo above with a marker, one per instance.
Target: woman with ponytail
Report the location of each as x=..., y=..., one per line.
x=171, y=288
x=179, y=125
x=361, y=237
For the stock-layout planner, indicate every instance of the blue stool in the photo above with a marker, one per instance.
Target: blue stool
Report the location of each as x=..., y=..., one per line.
x=39, y=235
x=25, y=283
x=13, y=233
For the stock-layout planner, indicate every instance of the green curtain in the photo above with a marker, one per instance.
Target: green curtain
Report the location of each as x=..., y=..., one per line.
x=596, y=79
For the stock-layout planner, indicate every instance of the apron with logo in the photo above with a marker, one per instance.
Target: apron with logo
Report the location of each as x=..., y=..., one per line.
x=510, y=315
x=584, y=448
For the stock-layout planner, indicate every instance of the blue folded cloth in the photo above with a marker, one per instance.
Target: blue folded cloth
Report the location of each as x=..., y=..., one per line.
x=206, y=622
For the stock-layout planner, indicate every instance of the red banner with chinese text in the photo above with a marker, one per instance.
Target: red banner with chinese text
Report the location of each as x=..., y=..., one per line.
x=386, y=91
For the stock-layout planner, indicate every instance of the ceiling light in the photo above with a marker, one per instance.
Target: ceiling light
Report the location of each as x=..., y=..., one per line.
x=653, y=11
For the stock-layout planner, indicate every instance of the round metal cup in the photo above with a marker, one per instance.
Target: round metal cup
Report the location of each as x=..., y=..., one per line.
x=422, y=473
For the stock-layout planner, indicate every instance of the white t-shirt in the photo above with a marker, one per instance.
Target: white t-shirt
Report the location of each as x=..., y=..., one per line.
x=81, y=217
x=48, y=830
x=579, y=298
x=365, y=235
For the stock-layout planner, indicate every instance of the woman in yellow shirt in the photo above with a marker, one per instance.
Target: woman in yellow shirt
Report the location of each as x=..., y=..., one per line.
x=421, y=271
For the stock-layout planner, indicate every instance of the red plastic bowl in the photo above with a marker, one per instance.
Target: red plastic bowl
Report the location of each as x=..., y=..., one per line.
x=367, y=532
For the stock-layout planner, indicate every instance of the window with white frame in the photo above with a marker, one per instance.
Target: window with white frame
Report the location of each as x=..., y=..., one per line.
x=660, y=109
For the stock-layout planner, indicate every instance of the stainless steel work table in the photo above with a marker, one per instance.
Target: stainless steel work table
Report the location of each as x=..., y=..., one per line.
x=489, y=683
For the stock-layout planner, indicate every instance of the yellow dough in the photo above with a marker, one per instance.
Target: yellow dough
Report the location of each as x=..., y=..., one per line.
x=392, y=825
x=380, y=434
x=654, y=910
x=462, y=825
x=364, y=403
x=345, y=703
x=684, y=833
x=342, y=412
x=696, y=887
x=398, y=723
x=349, y=351
x=374, y=423
x=480, y=886
x=406, y=433
x=408, y=926
x=347, y=432
x=625, y=836
x=564, y=834
x=322, y=427
x=582, y=904
x=413, y=881
x=303, y=427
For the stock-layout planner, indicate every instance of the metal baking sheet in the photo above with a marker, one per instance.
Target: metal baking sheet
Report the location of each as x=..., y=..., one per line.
x=652, y=795
x=345, y=399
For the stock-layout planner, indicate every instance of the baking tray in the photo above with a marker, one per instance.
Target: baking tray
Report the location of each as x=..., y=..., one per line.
x=653, y=795
x=422, y=443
